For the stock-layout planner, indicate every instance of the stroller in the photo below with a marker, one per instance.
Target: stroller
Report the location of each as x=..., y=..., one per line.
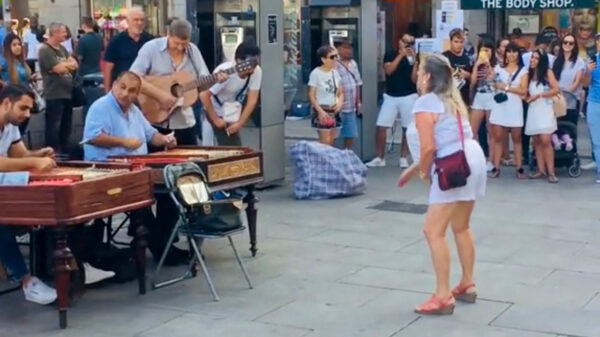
x=564, y=158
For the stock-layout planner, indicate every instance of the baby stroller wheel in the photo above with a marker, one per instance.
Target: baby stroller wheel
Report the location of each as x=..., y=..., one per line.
x=575, y=171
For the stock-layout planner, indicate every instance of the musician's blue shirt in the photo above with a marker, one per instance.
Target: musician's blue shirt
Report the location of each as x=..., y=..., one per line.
x=106, y=116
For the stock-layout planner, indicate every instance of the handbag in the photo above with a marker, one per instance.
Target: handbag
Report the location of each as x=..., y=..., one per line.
x=216, y=216
x=453, y=170
x=332, y=121
x=559, y=105
x=502, y=97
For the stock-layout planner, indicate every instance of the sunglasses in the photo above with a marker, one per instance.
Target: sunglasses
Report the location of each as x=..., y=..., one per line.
x=568, y=43
x=409, y=43
x=333, y=57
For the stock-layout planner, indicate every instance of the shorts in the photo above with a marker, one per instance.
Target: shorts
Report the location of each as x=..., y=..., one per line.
x=483, y=101
x=349, y=125
x=396, y=108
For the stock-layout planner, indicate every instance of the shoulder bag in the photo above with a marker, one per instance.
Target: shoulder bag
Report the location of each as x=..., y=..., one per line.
x=453, y=170
x=559, y=105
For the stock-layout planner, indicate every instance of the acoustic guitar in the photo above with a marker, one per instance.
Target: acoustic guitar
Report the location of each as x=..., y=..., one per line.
x=183, y=86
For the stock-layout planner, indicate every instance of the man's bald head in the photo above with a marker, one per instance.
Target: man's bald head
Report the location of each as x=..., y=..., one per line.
x=135, y=21
x=126, y=89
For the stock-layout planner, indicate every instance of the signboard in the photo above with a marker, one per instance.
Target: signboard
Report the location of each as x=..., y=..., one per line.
x=447, y=21
x=527, y=4
x=272, y=29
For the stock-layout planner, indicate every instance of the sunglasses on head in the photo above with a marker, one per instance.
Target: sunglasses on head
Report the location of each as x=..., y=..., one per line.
x=569, y=43
x=333, y=57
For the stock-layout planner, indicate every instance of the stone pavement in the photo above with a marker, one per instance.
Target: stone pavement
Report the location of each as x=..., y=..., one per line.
x=342, y=268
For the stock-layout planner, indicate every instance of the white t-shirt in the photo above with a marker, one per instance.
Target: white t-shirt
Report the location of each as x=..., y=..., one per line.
x=325, y=86
x=8, y=137
x=32, y=45
x=229, y=90
x=568, y=74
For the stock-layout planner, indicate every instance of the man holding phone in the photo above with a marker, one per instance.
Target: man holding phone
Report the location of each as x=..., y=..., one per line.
x=399, y=98
x=460, y=61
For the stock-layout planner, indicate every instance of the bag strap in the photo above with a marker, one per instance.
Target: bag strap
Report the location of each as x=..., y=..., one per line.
x=349, y=72
x=461, y=134
x=515, y=76
x=238, y=96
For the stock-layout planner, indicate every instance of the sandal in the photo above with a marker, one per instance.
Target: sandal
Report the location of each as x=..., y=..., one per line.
x=537, y=175
x=465, y=293
x=552, y=179
x=520, y=173
x=436, y=306
x=495, y=173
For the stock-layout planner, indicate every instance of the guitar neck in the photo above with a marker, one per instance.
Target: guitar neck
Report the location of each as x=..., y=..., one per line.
x=206, y=80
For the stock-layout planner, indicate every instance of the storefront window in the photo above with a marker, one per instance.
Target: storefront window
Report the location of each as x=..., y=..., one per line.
x=291, y=50
x=110, y=15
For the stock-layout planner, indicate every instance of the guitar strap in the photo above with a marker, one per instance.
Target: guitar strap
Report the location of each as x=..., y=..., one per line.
x=189, y=52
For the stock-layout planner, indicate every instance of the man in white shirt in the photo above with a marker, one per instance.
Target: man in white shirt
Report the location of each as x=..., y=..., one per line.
x=31, y=45
x=540, y=43
x=226, y=112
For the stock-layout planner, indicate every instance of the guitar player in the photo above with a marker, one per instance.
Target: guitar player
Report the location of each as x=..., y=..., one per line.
x=164, y=56
x=160, y=57
x=226, y=112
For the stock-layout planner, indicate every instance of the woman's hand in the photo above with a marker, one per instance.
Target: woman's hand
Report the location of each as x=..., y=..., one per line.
x=533, y=98
x=338, y=106
x=407, y=175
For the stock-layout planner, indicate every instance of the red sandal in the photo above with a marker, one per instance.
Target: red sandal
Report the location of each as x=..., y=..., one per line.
x=435, y=306
x=462, y=293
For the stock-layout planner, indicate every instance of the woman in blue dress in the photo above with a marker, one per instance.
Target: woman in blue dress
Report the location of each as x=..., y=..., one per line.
x=13, y=68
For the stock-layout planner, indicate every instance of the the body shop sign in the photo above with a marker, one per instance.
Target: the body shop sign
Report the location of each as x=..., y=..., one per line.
x=527, y=4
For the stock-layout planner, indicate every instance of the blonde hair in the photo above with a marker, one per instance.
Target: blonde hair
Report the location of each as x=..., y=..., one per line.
x=441, y=83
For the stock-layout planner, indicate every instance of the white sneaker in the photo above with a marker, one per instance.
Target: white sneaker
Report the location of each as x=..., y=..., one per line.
x=597, y=179
x=38, y=292
x=489, y=166
x=95, y=275
x=403, y=163
x=589, y=166
x=376, y=162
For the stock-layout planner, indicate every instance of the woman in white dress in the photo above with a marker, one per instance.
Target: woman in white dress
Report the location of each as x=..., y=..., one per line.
x=507, y=115
x=435, y=132
x=541, y=122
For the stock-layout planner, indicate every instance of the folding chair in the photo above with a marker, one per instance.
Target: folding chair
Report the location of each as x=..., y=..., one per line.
x=200, y=218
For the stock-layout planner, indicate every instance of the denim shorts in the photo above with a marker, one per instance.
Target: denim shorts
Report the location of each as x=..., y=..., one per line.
x=349, y=125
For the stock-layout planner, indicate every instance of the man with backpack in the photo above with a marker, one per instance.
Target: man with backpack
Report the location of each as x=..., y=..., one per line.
x=230, y=104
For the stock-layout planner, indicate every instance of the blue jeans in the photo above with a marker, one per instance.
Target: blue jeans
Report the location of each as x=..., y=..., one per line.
x=593, y=120
x=10, y=255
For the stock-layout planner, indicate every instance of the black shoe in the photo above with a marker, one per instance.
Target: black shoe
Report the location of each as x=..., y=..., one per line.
x=174, y=257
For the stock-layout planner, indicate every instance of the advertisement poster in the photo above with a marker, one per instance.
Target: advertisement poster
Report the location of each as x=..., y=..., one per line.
x=582, y=23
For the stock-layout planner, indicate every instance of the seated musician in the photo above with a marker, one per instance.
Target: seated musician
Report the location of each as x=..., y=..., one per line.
x=16, y=103
x=115, y=126
x=228, y=98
